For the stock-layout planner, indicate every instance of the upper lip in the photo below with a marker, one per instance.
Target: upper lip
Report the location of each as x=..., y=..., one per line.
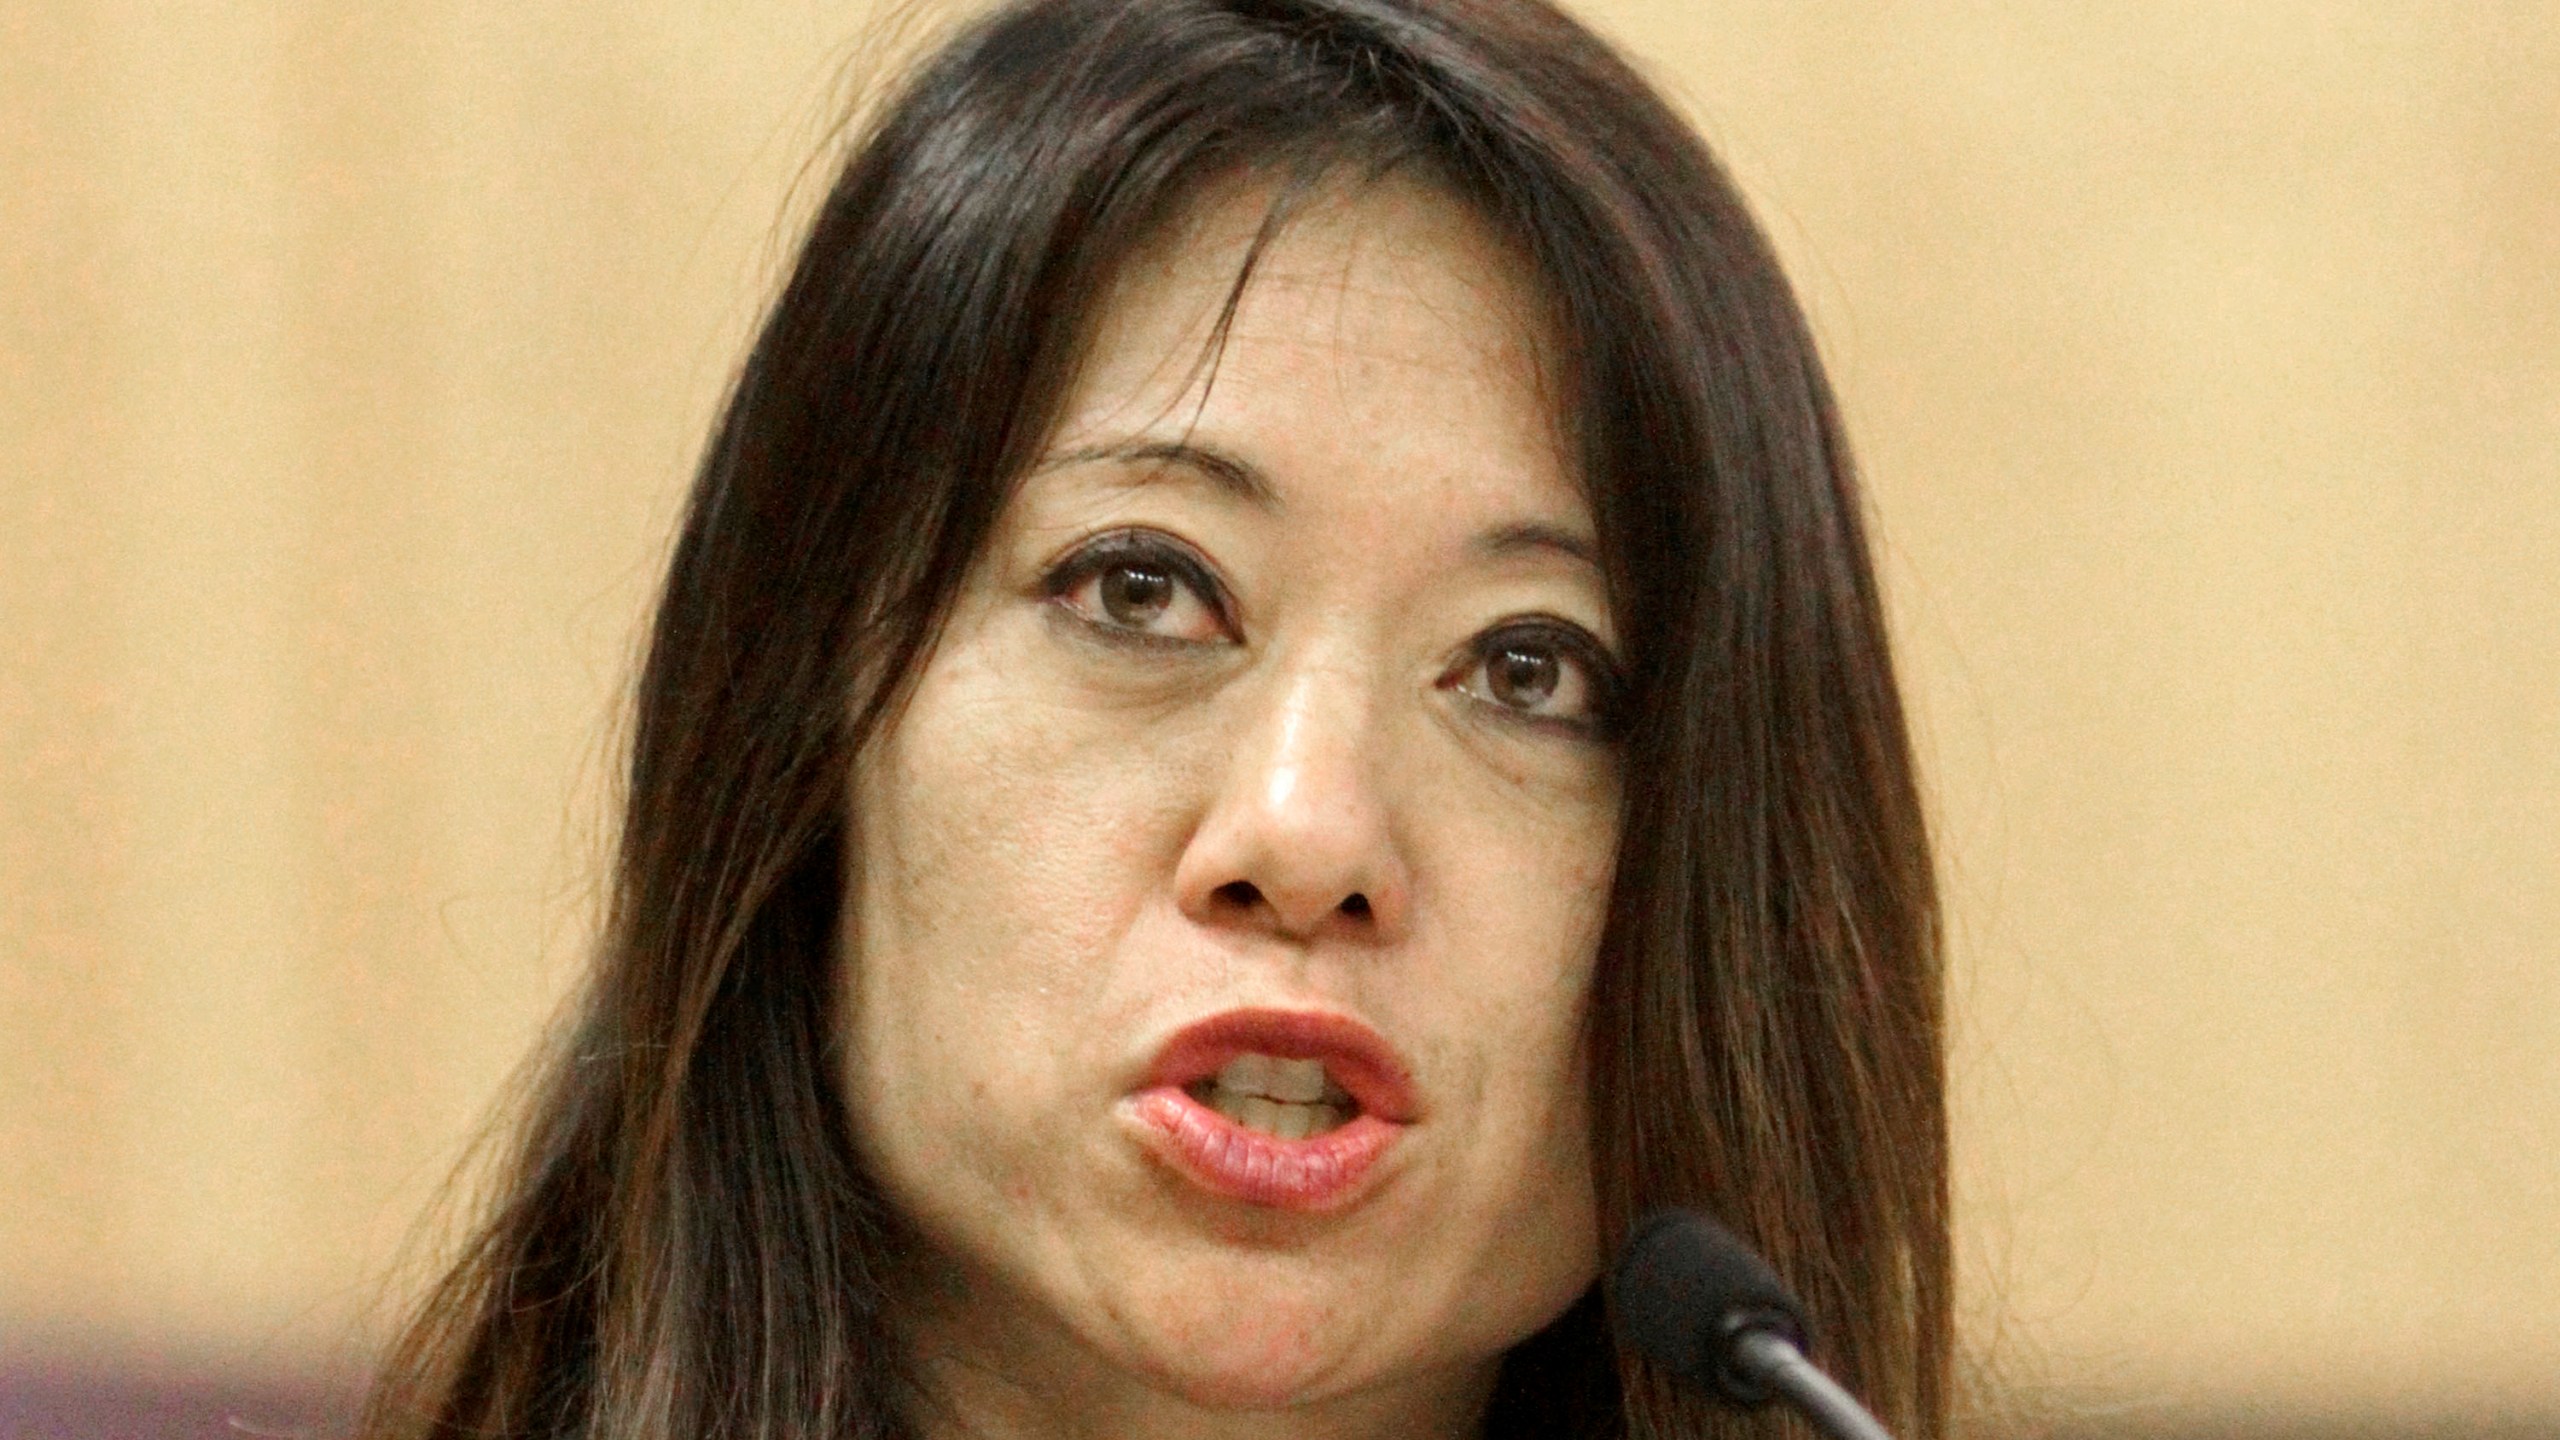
x=1356, y=1057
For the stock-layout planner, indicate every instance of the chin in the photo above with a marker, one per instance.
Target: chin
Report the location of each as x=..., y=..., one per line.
x=1271, y=1370
x=1237, y=1346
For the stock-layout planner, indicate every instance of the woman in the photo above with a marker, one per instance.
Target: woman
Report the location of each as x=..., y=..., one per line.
x=1269, y=720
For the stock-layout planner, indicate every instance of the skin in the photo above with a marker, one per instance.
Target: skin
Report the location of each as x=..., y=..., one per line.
x=1096, y=821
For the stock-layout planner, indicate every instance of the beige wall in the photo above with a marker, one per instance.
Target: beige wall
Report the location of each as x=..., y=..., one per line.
x=2205, y=357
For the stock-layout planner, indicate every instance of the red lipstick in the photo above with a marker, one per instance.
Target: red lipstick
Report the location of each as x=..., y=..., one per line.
x=1317, y=1173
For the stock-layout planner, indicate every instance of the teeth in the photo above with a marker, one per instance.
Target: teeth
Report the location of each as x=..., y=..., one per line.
x=1256, y=1113
x=1276, y=1117
x=1300, y=1082
x=1291, y=1099
x=1248, y=1074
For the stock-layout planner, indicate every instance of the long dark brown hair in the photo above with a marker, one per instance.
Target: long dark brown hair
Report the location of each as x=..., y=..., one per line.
x=687, y=1245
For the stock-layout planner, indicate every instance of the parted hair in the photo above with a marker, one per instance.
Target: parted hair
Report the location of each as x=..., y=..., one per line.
x=686, y=1243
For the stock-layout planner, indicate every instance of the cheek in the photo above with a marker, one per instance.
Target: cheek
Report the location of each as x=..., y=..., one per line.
x=1538, y=899
x=1516, y=924
x=999, y=857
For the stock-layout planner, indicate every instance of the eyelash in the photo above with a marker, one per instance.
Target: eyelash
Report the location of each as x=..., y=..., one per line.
x=1137, y=549
x=1156, y=551
x=1572, y=643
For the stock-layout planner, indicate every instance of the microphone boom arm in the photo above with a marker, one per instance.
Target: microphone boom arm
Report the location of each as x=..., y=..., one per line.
x=1774, y=1360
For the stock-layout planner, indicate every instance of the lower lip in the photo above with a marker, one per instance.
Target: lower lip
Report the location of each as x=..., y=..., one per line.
x=1318, y=1173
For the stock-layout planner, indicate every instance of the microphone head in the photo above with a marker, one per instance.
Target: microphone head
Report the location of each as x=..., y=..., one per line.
x=1686, y=1290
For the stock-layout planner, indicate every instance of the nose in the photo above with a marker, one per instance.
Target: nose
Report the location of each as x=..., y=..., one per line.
x=1298, y=839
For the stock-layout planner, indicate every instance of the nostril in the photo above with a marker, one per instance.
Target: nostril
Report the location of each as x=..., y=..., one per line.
x=1240, y=894
x=1357, y=906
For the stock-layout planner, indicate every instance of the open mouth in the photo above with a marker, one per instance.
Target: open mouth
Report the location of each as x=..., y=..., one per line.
x=1271, y=1095
x=1281, y=1108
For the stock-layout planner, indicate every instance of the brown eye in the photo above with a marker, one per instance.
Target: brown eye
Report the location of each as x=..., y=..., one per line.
x=1134, y=594
x=1142, y=587
x=1521, y=677
x=1547, y=672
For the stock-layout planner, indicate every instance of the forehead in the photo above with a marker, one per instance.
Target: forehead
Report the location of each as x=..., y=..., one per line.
x=1385, y=330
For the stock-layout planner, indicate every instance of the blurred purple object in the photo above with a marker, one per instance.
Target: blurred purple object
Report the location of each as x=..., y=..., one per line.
x=93, y=1400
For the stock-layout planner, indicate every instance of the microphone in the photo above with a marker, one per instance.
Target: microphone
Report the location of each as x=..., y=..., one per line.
x=1699, y=1303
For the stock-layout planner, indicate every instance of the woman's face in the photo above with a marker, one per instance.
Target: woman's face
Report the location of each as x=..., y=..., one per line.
x=1228, y=890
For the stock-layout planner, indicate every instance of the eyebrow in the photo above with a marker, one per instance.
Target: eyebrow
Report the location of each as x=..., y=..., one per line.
x=1238, y=478
x=1243, y=480
x=1530, y=535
